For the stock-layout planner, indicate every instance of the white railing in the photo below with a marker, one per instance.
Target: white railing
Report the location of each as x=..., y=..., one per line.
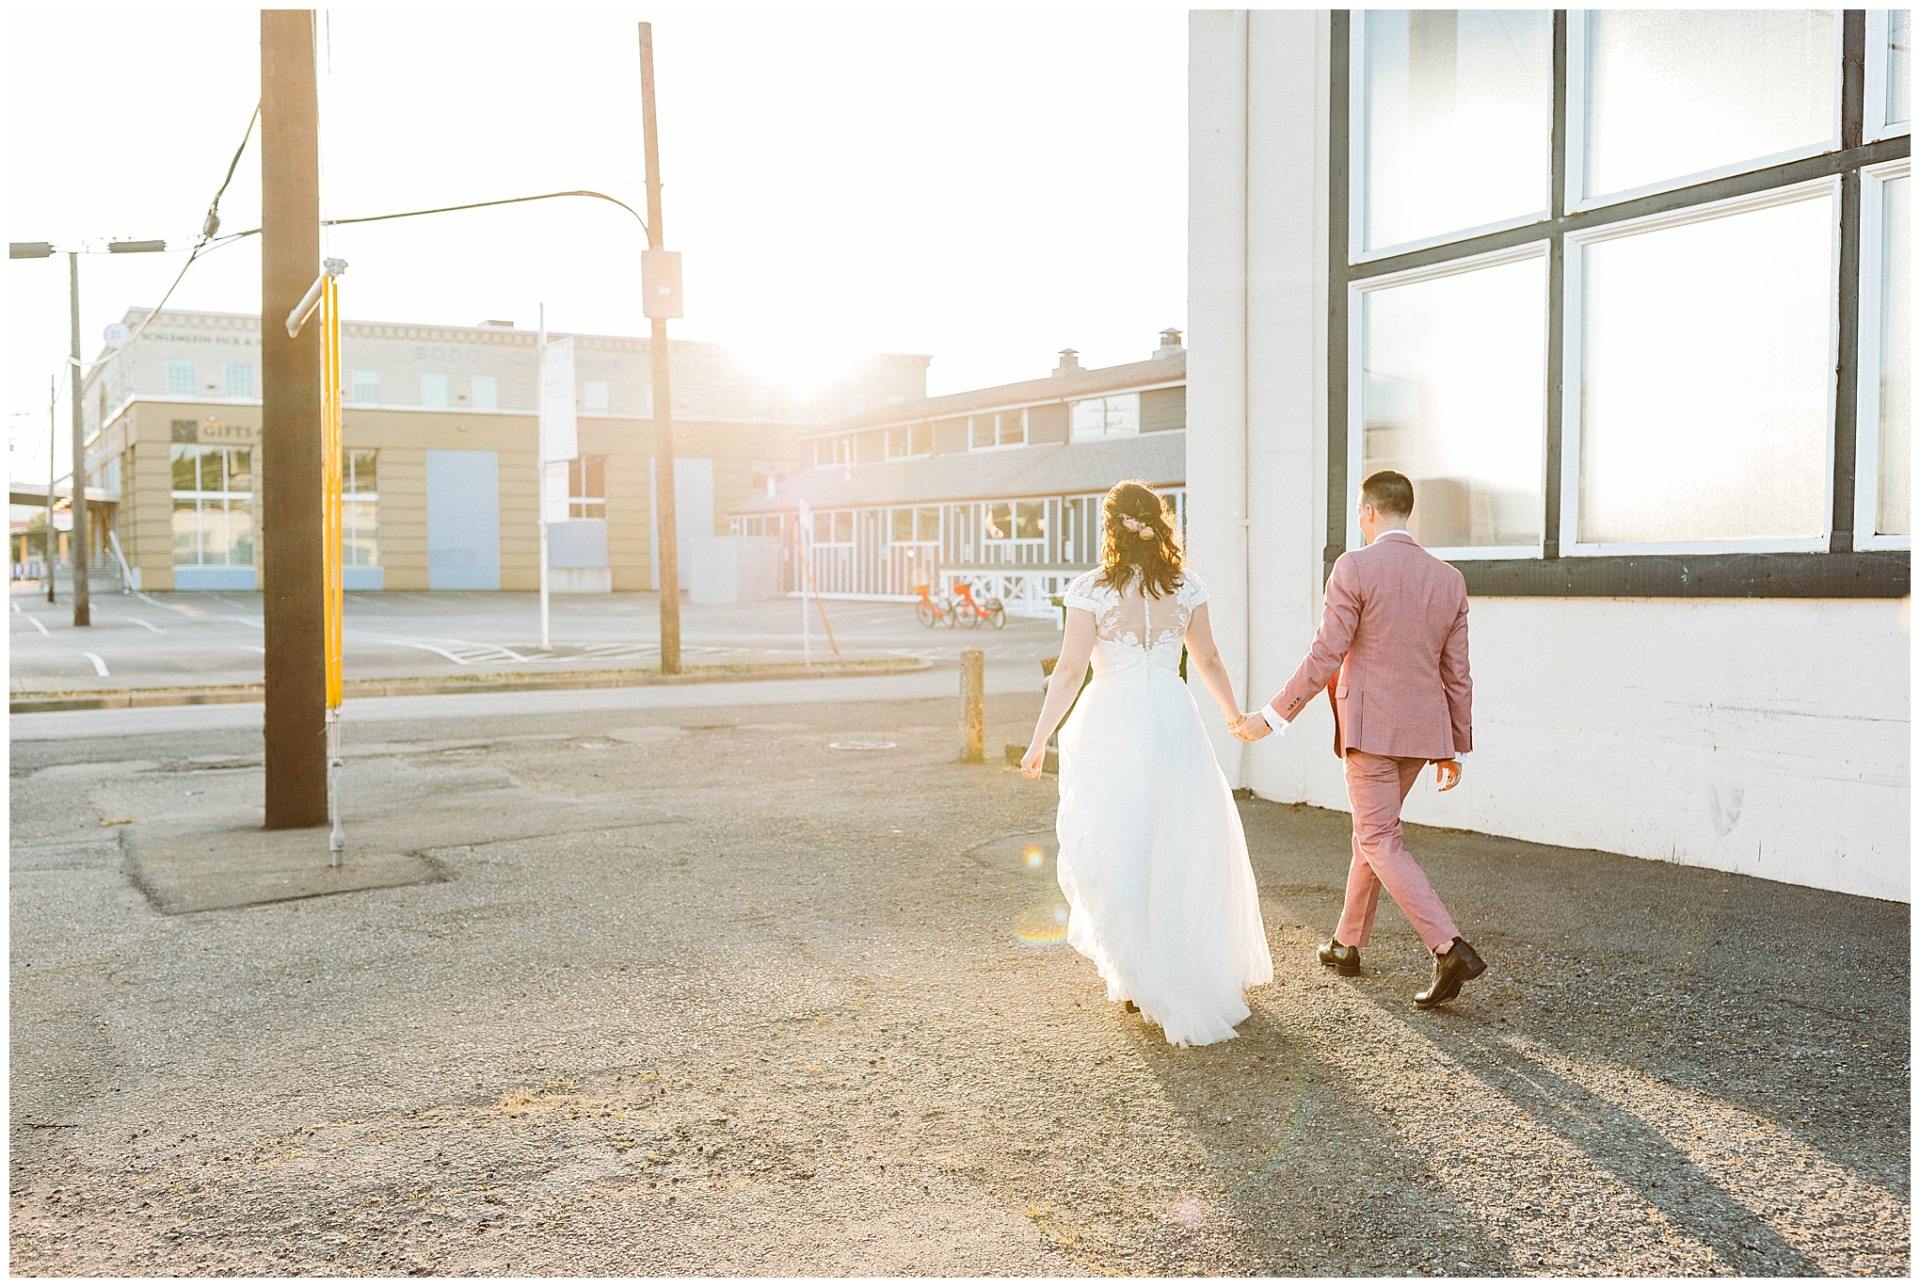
x=1028, y=593
x=1018, y=550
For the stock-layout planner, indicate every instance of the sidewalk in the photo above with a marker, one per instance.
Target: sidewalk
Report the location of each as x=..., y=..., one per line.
x=682, y=987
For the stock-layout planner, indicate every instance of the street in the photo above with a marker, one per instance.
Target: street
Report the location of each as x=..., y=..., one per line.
x=154, y=640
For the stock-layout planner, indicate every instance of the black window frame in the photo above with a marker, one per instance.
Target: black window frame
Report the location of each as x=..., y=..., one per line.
x=1840, y=572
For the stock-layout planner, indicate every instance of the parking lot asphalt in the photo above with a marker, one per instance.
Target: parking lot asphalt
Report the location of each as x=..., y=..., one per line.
x=757, y=979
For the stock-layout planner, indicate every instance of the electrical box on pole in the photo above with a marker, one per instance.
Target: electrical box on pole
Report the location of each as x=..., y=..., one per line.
x=660, y=283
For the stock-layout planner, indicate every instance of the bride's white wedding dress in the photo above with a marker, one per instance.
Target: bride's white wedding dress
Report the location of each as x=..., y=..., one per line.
x=1153, y=860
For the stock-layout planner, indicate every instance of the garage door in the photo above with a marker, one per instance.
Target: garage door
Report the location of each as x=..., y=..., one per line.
x=463, y=520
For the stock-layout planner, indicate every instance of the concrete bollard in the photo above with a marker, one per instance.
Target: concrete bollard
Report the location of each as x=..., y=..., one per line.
x=973, y=701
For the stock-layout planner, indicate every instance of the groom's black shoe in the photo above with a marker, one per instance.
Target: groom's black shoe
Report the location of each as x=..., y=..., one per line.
x=1341, y=957
x=1450, y=970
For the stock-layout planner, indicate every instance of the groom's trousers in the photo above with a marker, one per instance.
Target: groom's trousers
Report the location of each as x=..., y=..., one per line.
x=1376, y=786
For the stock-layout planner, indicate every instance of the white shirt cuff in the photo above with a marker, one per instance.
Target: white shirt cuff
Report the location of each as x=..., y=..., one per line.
x=1275, y=720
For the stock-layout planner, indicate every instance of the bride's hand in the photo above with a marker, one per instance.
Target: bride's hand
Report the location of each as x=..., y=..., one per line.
x=1032, y=762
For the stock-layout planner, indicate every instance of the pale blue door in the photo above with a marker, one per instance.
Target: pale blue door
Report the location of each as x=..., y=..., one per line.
x=693, y=509
x=463, y=520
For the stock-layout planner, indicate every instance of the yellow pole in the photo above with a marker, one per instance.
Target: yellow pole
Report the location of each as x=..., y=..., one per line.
x=333, y=464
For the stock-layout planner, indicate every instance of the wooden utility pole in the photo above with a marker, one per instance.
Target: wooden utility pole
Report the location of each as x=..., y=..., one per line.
x=78, y=543
x=291, y=527
x=666, y=534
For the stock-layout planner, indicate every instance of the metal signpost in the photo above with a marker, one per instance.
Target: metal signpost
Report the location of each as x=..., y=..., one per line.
x=803, y=548
x=53, y=439
x=559, y=445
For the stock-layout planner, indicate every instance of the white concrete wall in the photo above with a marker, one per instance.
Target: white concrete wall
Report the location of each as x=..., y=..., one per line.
x=1766, y=737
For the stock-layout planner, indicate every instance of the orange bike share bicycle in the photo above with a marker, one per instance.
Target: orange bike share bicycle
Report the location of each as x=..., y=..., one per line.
x=961, y=607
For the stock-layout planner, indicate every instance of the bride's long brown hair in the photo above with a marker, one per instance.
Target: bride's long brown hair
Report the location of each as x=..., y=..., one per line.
x=1148, y=548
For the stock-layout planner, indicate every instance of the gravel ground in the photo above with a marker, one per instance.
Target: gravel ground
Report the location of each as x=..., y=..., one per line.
x=698, y=995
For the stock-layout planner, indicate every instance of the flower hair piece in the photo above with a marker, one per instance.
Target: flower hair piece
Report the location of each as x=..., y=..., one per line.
x=1135, y=526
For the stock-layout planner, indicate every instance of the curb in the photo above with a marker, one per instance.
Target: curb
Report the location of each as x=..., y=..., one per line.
x=31, y=703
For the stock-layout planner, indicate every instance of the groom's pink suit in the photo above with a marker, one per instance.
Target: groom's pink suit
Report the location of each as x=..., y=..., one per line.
x=1393, y=643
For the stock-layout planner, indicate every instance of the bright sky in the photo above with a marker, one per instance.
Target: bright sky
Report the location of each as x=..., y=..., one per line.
x=983, y=185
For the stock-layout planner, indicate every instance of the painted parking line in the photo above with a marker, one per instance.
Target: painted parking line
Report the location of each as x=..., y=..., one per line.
x=38, y=625
x=138, y=622
x=487, y=650
x=99, y=666
x=184, y=609
x=407, y=643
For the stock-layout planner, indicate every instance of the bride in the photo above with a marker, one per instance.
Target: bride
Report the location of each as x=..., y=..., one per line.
x=1153, y=862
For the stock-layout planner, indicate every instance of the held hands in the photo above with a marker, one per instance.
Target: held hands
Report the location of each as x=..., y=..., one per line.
x=1250, y=727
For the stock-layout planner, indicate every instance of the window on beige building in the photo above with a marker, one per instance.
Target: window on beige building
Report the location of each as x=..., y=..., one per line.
x=360, y=508
x=212, y=506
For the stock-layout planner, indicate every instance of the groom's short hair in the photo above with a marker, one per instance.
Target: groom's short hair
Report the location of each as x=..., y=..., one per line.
x=1388, y=491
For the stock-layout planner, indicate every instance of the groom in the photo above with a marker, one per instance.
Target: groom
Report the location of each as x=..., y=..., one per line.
x=1395, y=634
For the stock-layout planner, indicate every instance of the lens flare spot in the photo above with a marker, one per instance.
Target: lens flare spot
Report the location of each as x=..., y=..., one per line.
x=1042, y=926
x=1189, y=1212
x=1034, y=857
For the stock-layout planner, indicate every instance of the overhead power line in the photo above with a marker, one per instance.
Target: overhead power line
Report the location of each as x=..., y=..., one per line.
x=470, y=205
x=208, y=228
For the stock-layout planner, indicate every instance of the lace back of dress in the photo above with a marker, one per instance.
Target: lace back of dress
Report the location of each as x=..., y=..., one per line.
x=1141, y=620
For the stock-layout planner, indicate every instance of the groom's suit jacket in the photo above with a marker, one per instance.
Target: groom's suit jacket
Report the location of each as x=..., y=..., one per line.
x=1393, y=646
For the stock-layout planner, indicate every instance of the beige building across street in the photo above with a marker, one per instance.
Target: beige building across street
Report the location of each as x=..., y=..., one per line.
x=440, y=435
x=998, y=488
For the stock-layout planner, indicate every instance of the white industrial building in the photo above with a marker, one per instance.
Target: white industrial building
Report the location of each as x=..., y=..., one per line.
x=1625, y=293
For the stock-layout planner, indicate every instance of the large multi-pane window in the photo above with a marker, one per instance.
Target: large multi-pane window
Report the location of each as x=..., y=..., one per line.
x=1453, y=395
x=433, y=389
x=240, y=379
x=1705, y=360
x=364, y=387
x=360, y=507
x=1675, y=328
x=183, y=379
x=1456, y=123
x=1883, y=515
x=1672, y=95
x=212, y=506
x=486, y=393
x=1889, y=91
